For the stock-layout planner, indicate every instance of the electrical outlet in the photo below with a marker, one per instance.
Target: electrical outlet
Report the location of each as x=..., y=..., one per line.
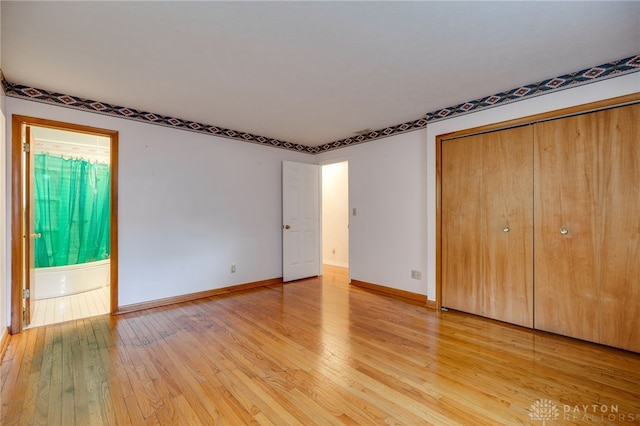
x=233, y=269
x=416, y=275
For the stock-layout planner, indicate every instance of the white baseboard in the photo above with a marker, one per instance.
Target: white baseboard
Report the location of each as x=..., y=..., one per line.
x=335, y=263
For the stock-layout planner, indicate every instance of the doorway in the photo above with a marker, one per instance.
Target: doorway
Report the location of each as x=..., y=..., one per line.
x=335, y=215
x=64, y=227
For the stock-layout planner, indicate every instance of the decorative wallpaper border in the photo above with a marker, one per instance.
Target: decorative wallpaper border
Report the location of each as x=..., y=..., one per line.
x=589, y=75
x=75, y=102
x=3, y=82
x=586, y=76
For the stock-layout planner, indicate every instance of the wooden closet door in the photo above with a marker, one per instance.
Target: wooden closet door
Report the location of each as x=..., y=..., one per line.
x=507, y=192
x=461, y=211
x=566, y=237
x=618, y=133
x=487, y=220
x=588, y=181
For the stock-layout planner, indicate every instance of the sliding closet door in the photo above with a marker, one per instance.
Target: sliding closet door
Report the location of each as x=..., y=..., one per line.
x=618, y=210
x=487, y=236
x=566, y=236
x=507, y=191
x=461, y=166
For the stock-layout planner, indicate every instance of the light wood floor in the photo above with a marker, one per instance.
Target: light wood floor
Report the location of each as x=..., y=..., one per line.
x=73, y=307
x=310, y=352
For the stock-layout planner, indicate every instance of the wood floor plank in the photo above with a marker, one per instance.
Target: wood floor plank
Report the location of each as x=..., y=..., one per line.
x=92, y=368
x=75, y=409
x=30, y=398
x=55, y=392
x=311, y=352
x=192, y=388
x=114, y=386
x=15, y=407
x=141, y=380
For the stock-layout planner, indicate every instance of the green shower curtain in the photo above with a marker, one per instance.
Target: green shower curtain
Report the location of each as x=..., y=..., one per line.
x=72, y=206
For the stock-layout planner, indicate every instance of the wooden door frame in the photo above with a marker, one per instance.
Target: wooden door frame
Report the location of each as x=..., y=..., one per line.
x=17, y=209
x=550, y=115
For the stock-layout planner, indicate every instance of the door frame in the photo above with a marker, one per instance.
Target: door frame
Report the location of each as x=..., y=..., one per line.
x=550, y=115
x=18, y=264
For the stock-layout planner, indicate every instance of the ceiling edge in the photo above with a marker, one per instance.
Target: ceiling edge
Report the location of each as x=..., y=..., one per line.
x=586, y=76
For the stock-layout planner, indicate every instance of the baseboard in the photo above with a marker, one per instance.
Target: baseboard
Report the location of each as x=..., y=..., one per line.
x=336, y=263
x=194, y=296
x=431, y=304
x=403, y=294
x=4, y=342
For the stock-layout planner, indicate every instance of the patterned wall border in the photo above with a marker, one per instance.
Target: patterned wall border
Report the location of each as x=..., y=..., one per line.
x=589, y=75
x=3, y=82
x=75, y=102
x=586, y=76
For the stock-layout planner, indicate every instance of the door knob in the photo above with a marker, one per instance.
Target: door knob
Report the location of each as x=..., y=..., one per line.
x=287, y=227
x=505, y=229
x=564, y=231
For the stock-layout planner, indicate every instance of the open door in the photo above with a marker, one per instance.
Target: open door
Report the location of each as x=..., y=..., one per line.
x=29, y=235
x=23, y=234
x=300, y=221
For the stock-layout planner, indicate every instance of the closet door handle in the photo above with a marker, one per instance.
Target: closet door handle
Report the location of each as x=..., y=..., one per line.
x=564, y=231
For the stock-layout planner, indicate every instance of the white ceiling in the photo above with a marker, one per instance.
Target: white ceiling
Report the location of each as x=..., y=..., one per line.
x=305, y=72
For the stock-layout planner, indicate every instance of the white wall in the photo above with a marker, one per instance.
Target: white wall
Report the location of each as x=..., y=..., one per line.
x=387, y=187
x=335, y=214
x=190, y=205
x=392, y=184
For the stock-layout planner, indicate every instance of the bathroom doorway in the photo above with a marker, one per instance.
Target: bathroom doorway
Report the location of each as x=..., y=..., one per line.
x=67, y=200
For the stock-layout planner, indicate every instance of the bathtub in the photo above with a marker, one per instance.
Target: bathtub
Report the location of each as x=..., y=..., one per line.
x=71, y=279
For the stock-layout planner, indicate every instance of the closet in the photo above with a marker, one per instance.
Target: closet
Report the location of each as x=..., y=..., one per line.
x=540, y=225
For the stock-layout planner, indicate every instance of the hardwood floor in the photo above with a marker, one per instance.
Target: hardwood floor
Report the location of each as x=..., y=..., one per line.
x=310, y=352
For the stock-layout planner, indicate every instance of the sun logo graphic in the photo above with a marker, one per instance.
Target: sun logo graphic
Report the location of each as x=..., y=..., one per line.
x=544, y=410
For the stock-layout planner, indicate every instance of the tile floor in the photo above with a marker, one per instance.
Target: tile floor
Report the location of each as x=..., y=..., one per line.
x=67, y=308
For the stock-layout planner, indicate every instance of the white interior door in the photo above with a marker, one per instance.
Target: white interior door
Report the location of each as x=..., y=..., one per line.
x=300, y=220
